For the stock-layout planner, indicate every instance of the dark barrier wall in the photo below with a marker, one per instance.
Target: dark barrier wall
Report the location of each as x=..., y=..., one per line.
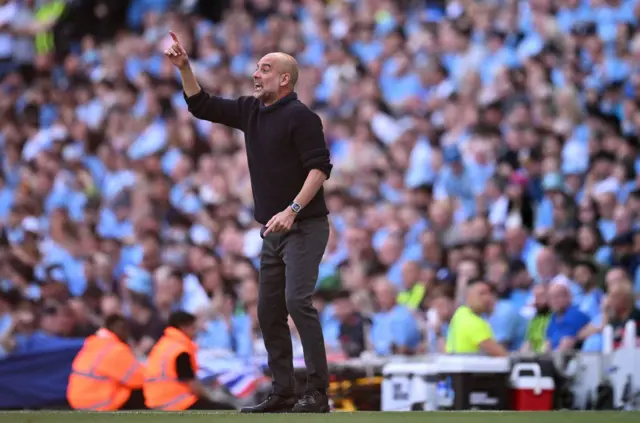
x=38, y=378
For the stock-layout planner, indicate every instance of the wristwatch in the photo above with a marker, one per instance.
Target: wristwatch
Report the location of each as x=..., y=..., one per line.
x=295, y=207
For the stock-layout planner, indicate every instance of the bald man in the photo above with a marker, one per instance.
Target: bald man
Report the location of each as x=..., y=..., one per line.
x=566, y=320
x=288, y=163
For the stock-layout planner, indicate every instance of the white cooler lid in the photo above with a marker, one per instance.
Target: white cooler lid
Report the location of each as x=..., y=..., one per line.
x=531, y=382
x=460, y=363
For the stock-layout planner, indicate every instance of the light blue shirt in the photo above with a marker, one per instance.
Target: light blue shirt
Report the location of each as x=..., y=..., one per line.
x=6, y=203
x=450, y=184
x=152, y=140
x=236, y=337
x=194, y=297
x=395, y=327
x=420, y=170
x=594, y=342
x=544, y=215
x=529, y=255
x=110, y=227
x=330, y=327
x=589, y=304
x=508, y=326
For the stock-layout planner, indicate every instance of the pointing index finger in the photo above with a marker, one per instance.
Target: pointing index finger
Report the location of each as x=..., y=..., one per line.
x=174, y=36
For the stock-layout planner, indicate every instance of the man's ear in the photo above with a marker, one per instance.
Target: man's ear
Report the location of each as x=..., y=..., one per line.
x=284, y=79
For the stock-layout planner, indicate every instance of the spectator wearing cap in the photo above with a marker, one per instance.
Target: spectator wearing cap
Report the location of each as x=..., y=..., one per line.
x=394, y=329
x=566, y=320
x=454, y=183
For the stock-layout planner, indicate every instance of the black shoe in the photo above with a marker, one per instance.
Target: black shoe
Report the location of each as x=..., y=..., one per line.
x=273, y=404
x=312, y=402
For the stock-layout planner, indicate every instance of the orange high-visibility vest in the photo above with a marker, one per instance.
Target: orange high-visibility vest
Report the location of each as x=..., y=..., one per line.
x=103, y=374
x=162, y=389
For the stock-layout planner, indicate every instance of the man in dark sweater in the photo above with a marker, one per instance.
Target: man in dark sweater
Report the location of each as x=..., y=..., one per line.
x=288, y=162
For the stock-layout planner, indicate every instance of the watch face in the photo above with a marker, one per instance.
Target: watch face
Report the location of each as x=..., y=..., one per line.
x=296, y=207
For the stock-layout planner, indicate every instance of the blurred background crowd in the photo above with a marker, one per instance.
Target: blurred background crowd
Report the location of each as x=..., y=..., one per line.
x=494, y=138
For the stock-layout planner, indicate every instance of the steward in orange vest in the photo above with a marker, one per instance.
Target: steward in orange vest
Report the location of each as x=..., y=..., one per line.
x=105, y=375
x=170, y=382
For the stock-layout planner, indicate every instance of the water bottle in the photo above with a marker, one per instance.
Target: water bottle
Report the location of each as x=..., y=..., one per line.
x=442, y=393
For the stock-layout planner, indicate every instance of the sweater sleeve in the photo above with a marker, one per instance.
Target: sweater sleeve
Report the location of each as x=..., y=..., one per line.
x=308, y=137
x=232, y=113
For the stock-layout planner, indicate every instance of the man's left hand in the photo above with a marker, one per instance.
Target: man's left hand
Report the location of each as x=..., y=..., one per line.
x=281, y=222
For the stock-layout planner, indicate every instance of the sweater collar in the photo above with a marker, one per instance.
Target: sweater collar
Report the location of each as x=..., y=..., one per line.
x=278, y=104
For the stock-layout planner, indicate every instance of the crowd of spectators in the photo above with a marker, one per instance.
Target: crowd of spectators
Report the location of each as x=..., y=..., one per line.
x=493, y=139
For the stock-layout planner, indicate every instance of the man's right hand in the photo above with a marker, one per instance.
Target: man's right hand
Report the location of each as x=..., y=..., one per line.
x=176, y=53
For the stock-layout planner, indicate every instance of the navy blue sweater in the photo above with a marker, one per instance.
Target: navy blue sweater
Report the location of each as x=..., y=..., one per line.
x=284, y=142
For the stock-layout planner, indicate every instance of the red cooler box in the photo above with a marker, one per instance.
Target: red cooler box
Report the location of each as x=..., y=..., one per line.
x=531, y=390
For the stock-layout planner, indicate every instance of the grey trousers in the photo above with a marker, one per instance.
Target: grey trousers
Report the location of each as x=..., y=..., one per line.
x=288, y=275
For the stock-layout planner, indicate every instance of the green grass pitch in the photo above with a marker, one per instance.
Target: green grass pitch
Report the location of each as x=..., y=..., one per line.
x=337, y=417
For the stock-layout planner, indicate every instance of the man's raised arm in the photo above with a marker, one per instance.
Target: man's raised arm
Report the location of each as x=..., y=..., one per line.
x=231, y=113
